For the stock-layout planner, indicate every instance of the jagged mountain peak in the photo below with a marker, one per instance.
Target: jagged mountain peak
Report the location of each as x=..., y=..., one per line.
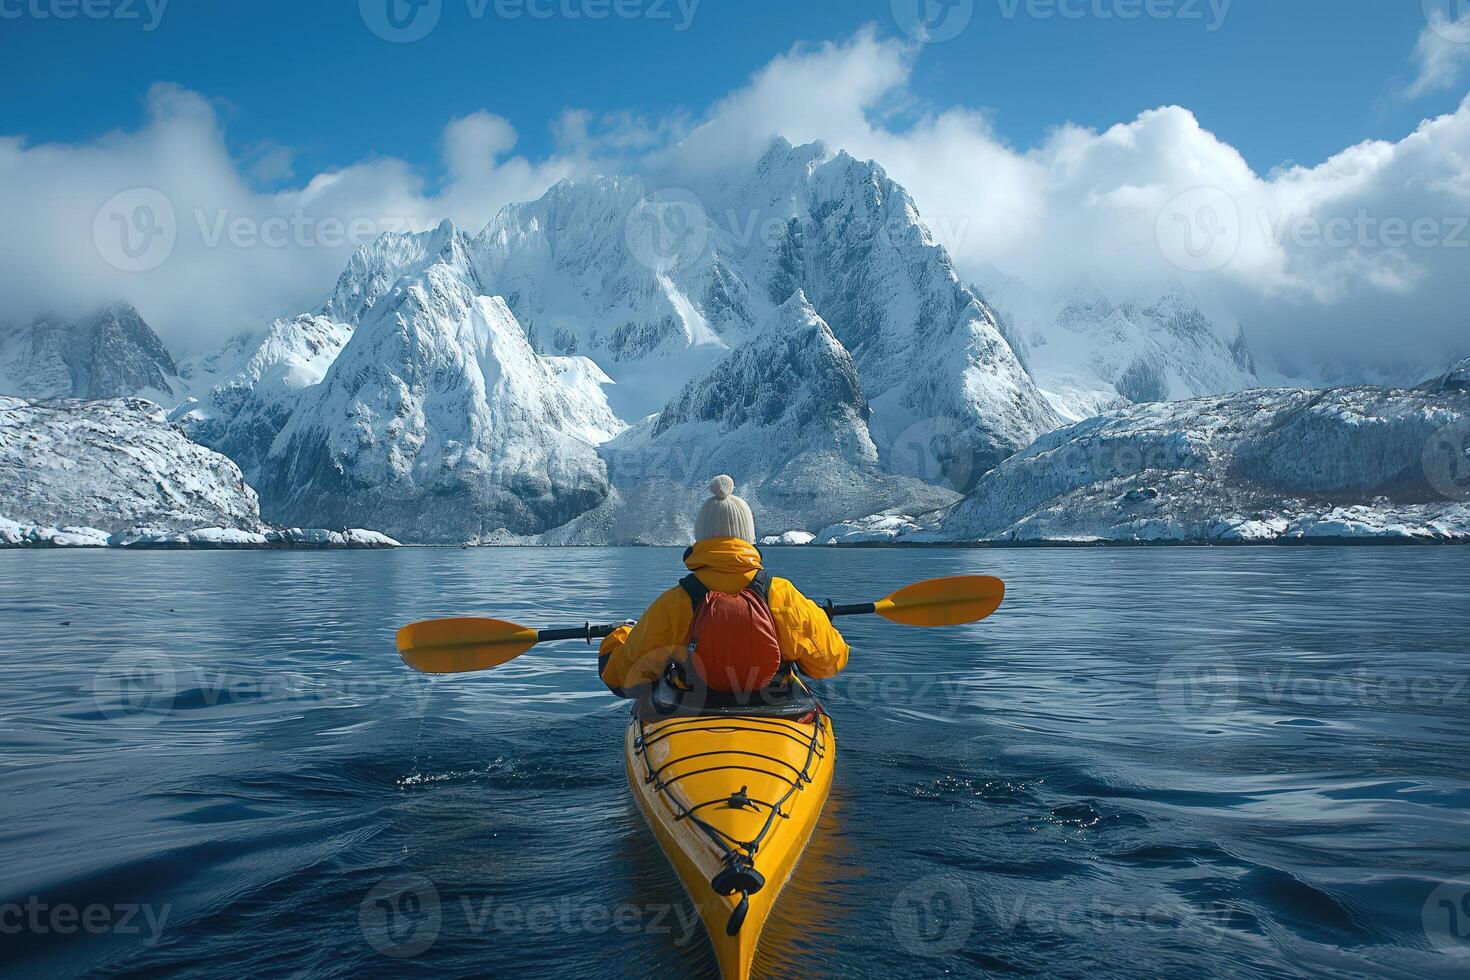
x=439, y=422
x=244, y=411
x=109, y=353
x=377, y=266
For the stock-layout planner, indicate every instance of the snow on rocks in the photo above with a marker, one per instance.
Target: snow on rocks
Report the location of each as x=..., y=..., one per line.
x=115, y=473
x=785, y=411
x=788, y=539
x=113, y=464
x=241, y=415
x=877, y=529
x=439, y=421
x=111, y=353
x=1266, y=465
x=14, y=534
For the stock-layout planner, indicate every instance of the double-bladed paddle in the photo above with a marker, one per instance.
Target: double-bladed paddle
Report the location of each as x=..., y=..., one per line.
x=458, y=646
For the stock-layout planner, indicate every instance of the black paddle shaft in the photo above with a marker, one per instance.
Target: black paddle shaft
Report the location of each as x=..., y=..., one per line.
x=586, y=632
x=589, y=632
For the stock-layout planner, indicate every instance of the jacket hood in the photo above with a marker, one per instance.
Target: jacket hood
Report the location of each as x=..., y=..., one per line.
x=724, y=564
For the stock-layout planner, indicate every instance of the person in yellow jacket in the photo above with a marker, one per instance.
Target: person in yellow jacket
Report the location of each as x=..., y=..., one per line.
x=725, y=559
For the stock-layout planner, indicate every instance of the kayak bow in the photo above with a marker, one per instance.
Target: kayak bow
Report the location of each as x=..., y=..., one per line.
x=733, y=801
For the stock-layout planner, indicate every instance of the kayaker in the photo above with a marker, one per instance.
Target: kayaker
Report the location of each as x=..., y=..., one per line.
x=731, y=622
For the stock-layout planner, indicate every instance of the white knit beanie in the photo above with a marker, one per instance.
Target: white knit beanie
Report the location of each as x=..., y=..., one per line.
x=724, y=515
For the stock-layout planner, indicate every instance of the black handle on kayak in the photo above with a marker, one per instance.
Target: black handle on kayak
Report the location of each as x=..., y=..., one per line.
x=586, y=632
x=854, y=609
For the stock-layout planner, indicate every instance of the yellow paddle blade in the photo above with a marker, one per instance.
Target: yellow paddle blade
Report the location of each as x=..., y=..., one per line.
x=943, y=601
x=458, y=646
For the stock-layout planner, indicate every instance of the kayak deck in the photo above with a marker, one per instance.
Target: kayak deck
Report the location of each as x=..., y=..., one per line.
x=733, y=802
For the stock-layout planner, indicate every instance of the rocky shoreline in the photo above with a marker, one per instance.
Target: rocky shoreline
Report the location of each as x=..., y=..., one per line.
x=16, y=535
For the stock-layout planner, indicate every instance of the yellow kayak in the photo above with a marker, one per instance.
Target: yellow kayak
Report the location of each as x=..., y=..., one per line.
x=733, y=799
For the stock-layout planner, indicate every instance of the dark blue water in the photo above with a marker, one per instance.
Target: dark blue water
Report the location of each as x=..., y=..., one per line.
x=1229, y=762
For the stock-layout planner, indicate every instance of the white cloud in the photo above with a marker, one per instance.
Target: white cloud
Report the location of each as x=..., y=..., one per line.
x=1441, y=55
x=1363, y=256
x=241, y=255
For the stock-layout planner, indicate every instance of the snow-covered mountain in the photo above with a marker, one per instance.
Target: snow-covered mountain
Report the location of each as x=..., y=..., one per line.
x=576, y=372
x=377, y=267
x=111, y=353
x=114, y=464
x=242, y=413
x=591, y=269
x=438, y=422
x=656, y=284
x=1268, y=464
x=949, y=397
x=484, y=370
x=1088, y=353
x=785, y=410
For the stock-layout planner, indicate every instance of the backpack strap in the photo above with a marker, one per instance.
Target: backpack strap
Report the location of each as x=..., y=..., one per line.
x=697, y=590
x=694, y=588
x=761, y=586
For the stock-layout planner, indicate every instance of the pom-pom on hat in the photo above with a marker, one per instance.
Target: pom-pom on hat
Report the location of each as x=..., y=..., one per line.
x=724, y=515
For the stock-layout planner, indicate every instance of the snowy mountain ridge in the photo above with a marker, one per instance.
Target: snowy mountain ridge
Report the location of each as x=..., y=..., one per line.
x=110, y=353
x=1256, y=466
x=114, y=464
x=440, y=421
x=785, y=410
x=1090, y=353
x=575, y=371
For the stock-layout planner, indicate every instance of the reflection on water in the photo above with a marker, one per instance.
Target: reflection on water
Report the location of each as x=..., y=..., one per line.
x=1228, y=762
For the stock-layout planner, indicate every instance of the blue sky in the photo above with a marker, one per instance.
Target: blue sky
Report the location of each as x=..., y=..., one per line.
x=1281, y=81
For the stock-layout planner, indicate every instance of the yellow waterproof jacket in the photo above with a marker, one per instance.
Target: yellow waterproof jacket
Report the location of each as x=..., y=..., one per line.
x=635, y=656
